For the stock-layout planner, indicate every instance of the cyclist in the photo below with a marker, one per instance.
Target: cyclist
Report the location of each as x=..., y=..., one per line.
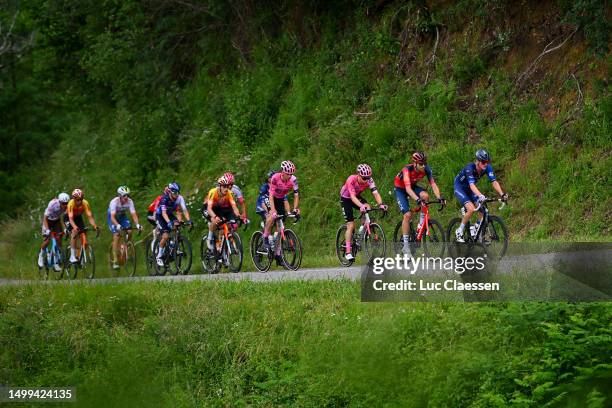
x=153, y=208
x=280, y=184
x=468, y=194
x=117, y=218
x=238, y=196
x=350, y=198
x=51, y=222
x=74, y=219
x=166, y=218
x=406, y=188
x=263, y=200
x=220, y=206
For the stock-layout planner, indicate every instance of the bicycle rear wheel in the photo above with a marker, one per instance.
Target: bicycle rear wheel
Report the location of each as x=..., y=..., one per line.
x=495, y=238
x=260, y=256
x=291, y=250
x=182, y=257
x=398, y=239
x=375, y=243
x=458, y=249
x=159, y=270
x=341, y=247
x=434, y=244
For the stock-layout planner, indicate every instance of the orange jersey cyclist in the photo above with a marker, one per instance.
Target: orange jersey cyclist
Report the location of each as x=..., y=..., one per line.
x=350, y=198
x=468, y=194
x=406, y=188
x=280, y=184
x=74, y=219
x=238, y=196
x=51, y=222
x=220, y=206
x=117, y=218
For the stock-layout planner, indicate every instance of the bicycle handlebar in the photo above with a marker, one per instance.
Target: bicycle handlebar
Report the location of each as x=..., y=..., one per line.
x=375, y=209
x=492, y=200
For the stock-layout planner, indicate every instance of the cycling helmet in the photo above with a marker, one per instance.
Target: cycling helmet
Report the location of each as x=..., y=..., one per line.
x=483, y=156
x=270, y=174
x=419, y=157
x=63, y=198
x=288, y=167
x=123, y=191
x=77, y=194
x=364, y=170
x=174, y=187
x=229, y=177
x=223, y=181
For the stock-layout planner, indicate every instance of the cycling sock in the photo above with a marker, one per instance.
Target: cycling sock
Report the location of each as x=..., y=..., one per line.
x=160, y=252
x=406, y=239
x=461, y=227
x=211, y=235
x=72, y=253
x=348, y=247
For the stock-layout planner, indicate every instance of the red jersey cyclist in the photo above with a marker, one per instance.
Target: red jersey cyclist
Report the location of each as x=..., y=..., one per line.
x=280, y=184
x=406, y=188
x=350, y=198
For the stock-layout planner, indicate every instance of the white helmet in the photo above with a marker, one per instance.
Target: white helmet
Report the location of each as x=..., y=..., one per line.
x=123, y=191
x=63, y=198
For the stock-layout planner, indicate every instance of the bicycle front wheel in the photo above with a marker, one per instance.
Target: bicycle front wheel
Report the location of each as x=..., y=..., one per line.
x=434, y=242
x=130, y=258
x=207, y=257
x=495, y=237
x=375, y=243
x=235, y=252
x=291, y=250
x=341, y=247
x=260, y=256
x=88, y=262
x=150, y=257
x=182, y=258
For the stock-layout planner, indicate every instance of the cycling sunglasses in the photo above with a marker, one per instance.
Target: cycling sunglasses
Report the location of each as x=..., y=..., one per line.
x=174, y=191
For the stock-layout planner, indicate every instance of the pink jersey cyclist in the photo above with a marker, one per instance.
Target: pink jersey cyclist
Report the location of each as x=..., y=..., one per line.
x=353, y=186
x=280, y=188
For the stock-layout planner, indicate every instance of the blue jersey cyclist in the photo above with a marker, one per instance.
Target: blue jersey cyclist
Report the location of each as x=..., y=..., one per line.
x=468, y=194
x=167, y=216
x=406, y=188
x=117, y=218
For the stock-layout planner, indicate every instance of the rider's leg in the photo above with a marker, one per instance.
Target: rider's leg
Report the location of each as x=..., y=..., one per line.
x=210, y=242
x=348, y=235
x=469, y=210
x=404, y=205
x=423, y=195
x=115, y=247
x=73, y=237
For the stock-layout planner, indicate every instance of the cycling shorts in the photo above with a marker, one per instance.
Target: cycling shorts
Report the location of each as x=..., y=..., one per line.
x=403, y=199
x=121, y=218
x=348, y=205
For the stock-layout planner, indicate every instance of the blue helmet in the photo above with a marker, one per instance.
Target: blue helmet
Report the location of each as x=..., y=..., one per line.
x=174, y=187
x=483, y=156
x=271, y=173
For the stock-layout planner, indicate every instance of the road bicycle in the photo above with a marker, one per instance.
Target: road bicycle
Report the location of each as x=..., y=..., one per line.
x=286, y=247
x=428, y=235
x=370, y=237
x=126, y=254
x=177, y=252
x=86, y=260
x=491, y=235
x=52, y=255
x=227, y=251
x=150, y=242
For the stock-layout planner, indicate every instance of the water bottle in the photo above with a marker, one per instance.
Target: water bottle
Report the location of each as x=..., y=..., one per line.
x=49, y=258
x=361, y=229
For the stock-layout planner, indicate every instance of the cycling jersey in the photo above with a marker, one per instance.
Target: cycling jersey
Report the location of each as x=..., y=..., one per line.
x=353, y=186
x=215, y=199
x=77, y=210
x=237, y=194
x=54, y=211
x=410, y=175
x=166, y=203
x=153, y=206
x=470, y=175
x=118, y=208
x=279, y=188
x=263, y=200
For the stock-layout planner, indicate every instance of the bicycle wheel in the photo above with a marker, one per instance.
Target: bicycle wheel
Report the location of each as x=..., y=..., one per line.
x=260, y=256
x=88, y=262
x=207, y=257
x=398, y=239
x=160, y=270
x=458, y=249
x=150, y=257
x=495, y=237
x=235, y=252
x=375, y=243
x=182, y=256
x=434, y=244
x=341, y=247
x=130, y=258
x=291, y=250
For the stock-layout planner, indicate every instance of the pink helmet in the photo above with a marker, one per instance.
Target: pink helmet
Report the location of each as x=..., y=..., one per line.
x=77, y=194
x=288, y=167
x=229, y=177
x=364, y=170
x=419, y=157
x=222, y=181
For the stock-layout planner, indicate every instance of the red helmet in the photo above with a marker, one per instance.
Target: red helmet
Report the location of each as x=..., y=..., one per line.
x=77, y=194
x=288, y=167
x=364, y=170
x=222, y=181
x=229, y=177
x=419, y=157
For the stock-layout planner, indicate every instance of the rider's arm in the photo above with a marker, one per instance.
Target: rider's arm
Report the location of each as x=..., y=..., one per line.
x=113, y=218
x=236, y=211
x=377, y=197
x=165, y=214
x=475, y=189
x=411, y=192
x=243, y=207
x=435, y=189
x=296, y=201
x=355, y=200
x=71, y=219
x=45, y=222
x=209, y=205
x=92, y=222
x=497, y=187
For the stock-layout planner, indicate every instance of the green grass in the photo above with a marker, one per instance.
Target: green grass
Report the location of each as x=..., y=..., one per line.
x=298, y=344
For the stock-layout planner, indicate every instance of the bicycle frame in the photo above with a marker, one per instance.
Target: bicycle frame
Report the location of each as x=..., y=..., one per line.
x=425, y=225
x=82, y=237
x=485, y=218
